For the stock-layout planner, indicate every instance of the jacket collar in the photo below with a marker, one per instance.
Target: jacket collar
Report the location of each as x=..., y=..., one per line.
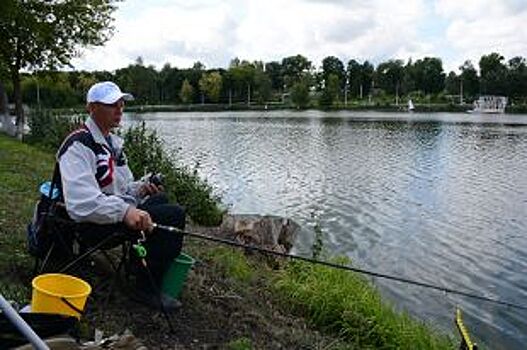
x=117, y=142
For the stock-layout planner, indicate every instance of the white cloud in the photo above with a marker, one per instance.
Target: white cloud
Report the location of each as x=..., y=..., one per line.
x=215, y=31
x=480, y=27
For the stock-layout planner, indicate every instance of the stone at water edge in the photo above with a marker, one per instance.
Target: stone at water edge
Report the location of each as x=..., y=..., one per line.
x=266, y=231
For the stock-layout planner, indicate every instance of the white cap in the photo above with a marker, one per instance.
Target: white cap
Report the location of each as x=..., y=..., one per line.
x=106, y=92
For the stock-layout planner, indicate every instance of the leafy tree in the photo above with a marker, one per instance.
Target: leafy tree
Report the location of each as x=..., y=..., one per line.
x=52, y=88
x=294, y=68
x=141, y=81
x=366, y=81
x=198, y=66
x=331, y=65
x=331, y=91
x=517, y=77
x=171, y=81
x=274, y=72
x=186, y=92
x=469, y=79
x=452, y=83
x=493, y=74
x=354, y=76
x=428, y=75
x=300, y=93
x=228, y=85
x=408, y=82
x=263, y=86
x=390, y=75
x=35, y=34
x=242, y=75
x=210, y=85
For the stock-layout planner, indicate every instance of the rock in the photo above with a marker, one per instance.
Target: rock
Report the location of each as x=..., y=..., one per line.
x=271, y=232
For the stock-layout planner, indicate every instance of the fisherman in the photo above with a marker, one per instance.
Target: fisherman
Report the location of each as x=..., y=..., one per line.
x=99, y=189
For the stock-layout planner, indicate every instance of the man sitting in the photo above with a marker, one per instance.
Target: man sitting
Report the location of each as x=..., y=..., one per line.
x=98, y=188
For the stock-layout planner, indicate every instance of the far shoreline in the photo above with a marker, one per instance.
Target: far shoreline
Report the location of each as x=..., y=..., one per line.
x=389, y=108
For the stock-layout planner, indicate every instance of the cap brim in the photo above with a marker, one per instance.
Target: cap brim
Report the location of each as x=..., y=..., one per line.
x=127, y=97
x=116, y=97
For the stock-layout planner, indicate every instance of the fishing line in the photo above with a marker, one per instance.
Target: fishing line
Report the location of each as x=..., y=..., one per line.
x=342, y=267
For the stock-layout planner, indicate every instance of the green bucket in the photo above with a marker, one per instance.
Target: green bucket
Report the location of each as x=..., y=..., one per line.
x=176, y=275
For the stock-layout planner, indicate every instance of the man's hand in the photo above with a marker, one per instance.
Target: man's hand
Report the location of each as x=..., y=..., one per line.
x=148, y=189
x=138, y=220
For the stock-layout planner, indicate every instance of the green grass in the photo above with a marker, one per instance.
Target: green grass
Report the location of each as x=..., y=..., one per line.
x=22, y=169
x=239, y=344
x=335, y=301
x=345, y=303
x=231, y=262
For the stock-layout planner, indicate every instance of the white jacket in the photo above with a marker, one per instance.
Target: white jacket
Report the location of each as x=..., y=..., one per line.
x=97, y=184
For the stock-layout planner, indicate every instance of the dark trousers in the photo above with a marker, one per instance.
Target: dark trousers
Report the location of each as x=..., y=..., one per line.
x=162, y=246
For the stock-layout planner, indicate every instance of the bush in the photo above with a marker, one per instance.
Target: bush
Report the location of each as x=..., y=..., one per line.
x=146, y=155
x=48, y=130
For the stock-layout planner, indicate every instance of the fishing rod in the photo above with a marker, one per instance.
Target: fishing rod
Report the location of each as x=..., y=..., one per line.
x=341, y=267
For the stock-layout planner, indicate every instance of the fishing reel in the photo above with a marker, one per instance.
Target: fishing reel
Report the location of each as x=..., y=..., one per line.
x=156, y=179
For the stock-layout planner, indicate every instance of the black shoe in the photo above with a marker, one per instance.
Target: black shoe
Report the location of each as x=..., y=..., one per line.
x=155, y=301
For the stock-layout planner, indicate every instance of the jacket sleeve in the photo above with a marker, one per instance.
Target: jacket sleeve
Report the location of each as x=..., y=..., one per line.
x=85, y=202
x=133, y=189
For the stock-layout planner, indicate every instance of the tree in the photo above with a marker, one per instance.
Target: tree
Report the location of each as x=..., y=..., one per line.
x=366, y=78
x=452, y=83
x=294, y=68
x=470, y=80
x=210, y=85
x=354, y=76
x=493, y=74
x=390, y=75
x=331, y=65
x=263, y=86
x=186, y=92
x=331, y=91
x=171, y=80
x=35, y=34
x=428, y=75
x=141, y=81
x=274, y=72
x=517, y=77
x=300, y=93
x=242, y=75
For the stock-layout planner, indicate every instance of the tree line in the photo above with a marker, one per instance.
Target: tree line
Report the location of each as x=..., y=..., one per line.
x=41, y=37
x=292, y=81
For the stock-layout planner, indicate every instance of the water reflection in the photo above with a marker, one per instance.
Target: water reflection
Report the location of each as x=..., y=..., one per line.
x=439, y=198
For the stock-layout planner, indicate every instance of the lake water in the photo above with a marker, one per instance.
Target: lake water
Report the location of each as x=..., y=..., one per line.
x=440, y=198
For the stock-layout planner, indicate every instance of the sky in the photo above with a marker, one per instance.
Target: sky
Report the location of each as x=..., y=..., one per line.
x=181, y=32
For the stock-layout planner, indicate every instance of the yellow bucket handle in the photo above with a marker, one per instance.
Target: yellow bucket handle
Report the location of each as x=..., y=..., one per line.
x=73, y=307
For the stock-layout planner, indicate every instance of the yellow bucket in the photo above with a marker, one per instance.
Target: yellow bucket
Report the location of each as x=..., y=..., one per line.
x=57, y=293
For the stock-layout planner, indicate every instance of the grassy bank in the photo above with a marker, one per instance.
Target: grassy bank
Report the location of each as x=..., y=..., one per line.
x=22, y=168
x=231, y=301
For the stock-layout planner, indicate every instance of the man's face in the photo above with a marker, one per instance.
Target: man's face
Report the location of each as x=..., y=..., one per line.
x=107, y=116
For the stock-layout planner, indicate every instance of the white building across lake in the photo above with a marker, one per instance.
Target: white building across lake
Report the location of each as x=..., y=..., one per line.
x=490, y=104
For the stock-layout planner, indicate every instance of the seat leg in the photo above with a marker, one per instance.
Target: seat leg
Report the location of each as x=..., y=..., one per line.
x=45, y=260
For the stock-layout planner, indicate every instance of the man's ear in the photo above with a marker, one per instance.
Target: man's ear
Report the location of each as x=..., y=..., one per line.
x=90, y=107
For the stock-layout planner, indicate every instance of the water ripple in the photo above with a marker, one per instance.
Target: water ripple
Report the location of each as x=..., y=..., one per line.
x=439, y=198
